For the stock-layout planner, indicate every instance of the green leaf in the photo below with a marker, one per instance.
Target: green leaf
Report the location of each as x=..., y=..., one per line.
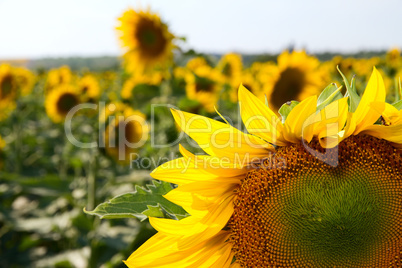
x=398, y=105
x=354, y=98
x=286, y=108
x=141, y=204
x=329, y=94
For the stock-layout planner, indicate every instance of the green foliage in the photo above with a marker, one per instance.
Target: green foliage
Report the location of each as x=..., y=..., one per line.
x=287, y=108
x=354, y=98
x=329, y=94
x=143, y=203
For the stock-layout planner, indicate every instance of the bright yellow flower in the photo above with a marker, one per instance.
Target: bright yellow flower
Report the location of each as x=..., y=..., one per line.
x=296, y=77
x=152, y=79
x=89, y=88
x=8, y=90
x=250, y=82
x=204, y=85
x=58, y=77
x=321, y=188
x=196, y=63
x=230, y=66
x=60, y=101
x=125, y=132
x=147, y=40
x=393, y=58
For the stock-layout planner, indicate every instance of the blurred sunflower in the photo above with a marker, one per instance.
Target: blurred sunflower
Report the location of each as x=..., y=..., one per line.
x=296, y=77
x=25, y=80
x=125, y=132
x=152, y=79
x=89, y=89
x=328, y=194
x=231, y=66
x=2, y=145
x=147, y=39
x=57, y=77
x=8, y=90
x=250, y=82
x=393, y=58
x=60, y=101
x=204, y=85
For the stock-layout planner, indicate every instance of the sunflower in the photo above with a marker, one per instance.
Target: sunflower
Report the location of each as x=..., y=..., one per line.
x=393, y=58
x=57, y=77
x=125, y=132
x=204, y=85
x=60, y=101
x=2, y=145
x=152, y=79
x=320, y=188
x=296, y=77
x=250, y=82
x=230, y=66
x=89, y=88
x=8, y=90
x=146, y=38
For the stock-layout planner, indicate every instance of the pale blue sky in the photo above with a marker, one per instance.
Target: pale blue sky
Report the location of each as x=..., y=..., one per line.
x=38, y=28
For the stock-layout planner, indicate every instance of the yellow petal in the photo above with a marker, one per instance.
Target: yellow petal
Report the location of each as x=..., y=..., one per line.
x=391, y=133
x=181, y=171
x=219, y=139
x=293, y=130
x=162, y=251
x=193, y=230
x=259, y=119
x=374, y=92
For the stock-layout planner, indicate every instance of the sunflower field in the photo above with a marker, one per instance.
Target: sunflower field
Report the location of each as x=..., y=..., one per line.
x=182, y=159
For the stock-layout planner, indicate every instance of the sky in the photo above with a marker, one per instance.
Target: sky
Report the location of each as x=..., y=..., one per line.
x=59, y=28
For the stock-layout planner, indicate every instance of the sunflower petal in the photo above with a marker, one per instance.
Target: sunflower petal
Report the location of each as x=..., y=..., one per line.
x=374, y=92
x=293, y=130
x=391, y=133
x=162, y=251
x=219, y=139
x=259, y=119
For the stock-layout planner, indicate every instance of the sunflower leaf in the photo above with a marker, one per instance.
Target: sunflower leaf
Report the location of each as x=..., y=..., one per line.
x=286, y=108
x=143, y=203
x=354, y=98
x=398, y=105
x=329, y=94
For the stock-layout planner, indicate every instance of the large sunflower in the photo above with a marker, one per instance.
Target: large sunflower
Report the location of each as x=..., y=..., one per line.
x=146, y=38
x=296, y=77
x=60, y=101
x=321, y=188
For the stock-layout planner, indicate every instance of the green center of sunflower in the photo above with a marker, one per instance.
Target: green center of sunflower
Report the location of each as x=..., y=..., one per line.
x=309, y=214
x=152, y=41
x=66, y=102
x=288, y=87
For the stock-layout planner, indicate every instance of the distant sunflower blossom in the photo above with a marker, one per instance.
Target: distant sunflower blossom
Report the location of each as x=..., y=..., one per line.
x=147, y=40
x=60, y=101
x=295, y=77
x=320, y=188
x=58, y=77
x=89, y=88
x=8, y=90
x=204, y=85
x=125, y=132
